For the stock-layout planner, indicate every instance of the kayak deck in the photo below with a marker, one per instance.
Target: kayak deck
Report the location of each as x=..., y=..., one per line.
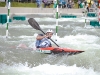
x=58, y=50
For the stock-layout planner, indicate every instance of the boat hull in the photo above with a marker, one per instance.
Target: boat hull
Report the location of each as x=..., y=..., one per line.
x=58, y=50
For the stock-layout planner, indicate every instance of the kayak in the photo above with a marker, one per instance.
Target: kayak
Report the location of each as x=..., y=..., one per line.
x=49, y=50
x=58, y=50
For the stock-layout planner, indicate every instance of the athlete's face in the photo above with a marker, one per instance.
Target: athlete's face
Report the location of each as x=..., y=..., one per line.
x=49, y=34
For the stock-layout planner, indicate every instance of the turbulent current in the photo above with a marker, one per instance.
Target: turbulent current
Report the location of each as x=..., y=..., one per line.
x=72, y=33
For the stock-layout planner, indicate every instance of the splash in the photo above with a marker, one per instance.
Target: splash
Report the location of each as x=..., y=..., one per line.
x=46, y=69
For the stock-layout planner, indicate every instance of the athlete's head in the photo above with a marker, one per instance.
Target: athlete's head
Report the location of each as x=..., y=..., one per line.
x=49, y=33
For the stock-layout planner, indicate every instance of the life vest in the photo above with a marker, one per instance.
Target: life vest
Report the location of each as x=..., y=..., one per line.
x=43, y=43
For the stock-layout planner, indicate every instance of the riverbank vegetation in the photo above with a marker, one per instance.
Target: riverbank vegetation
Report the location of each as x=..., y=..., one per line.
x=26, y=4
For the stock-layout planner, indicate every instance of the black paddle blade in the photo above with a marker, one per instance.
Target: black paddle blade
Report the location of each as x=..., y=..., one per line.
x=34, y=24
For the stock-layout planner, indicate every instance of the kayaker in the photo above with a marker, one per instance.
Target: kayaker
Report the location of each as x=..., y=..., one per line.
x=43, y=41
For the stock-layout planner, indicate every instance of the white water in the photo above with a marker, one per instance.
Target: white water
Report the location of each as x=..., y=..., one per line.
x=46, y=69
x=86, y=63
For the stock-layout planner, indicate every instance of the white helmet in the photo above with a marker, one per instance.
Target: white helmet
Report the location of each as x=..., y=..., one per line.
x=49, y=30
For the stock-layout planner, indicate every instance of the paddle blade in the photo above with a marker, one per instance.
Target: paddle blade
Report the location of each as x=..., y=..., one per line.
x=34, y=24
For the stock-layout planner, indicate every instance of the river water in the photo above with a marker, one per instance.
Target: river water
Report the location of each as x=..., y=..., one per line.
x=72, y=33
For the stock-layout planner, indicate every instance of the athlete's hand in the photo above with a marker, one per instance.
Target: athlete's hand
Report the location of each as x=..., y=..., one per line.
x=46, y=36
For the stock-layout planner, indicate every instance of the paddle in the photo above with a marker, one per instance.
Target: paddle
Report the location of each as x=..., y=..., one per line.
x=35, y=25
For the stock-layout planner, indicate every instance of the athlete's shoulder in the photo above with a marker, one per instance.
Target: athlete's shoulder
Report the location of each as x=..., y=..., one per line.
x=40, y=34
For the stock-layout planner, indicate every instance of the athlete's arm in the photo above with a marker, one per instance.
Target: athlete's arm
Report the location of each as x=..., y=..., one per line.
x=40, y=36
